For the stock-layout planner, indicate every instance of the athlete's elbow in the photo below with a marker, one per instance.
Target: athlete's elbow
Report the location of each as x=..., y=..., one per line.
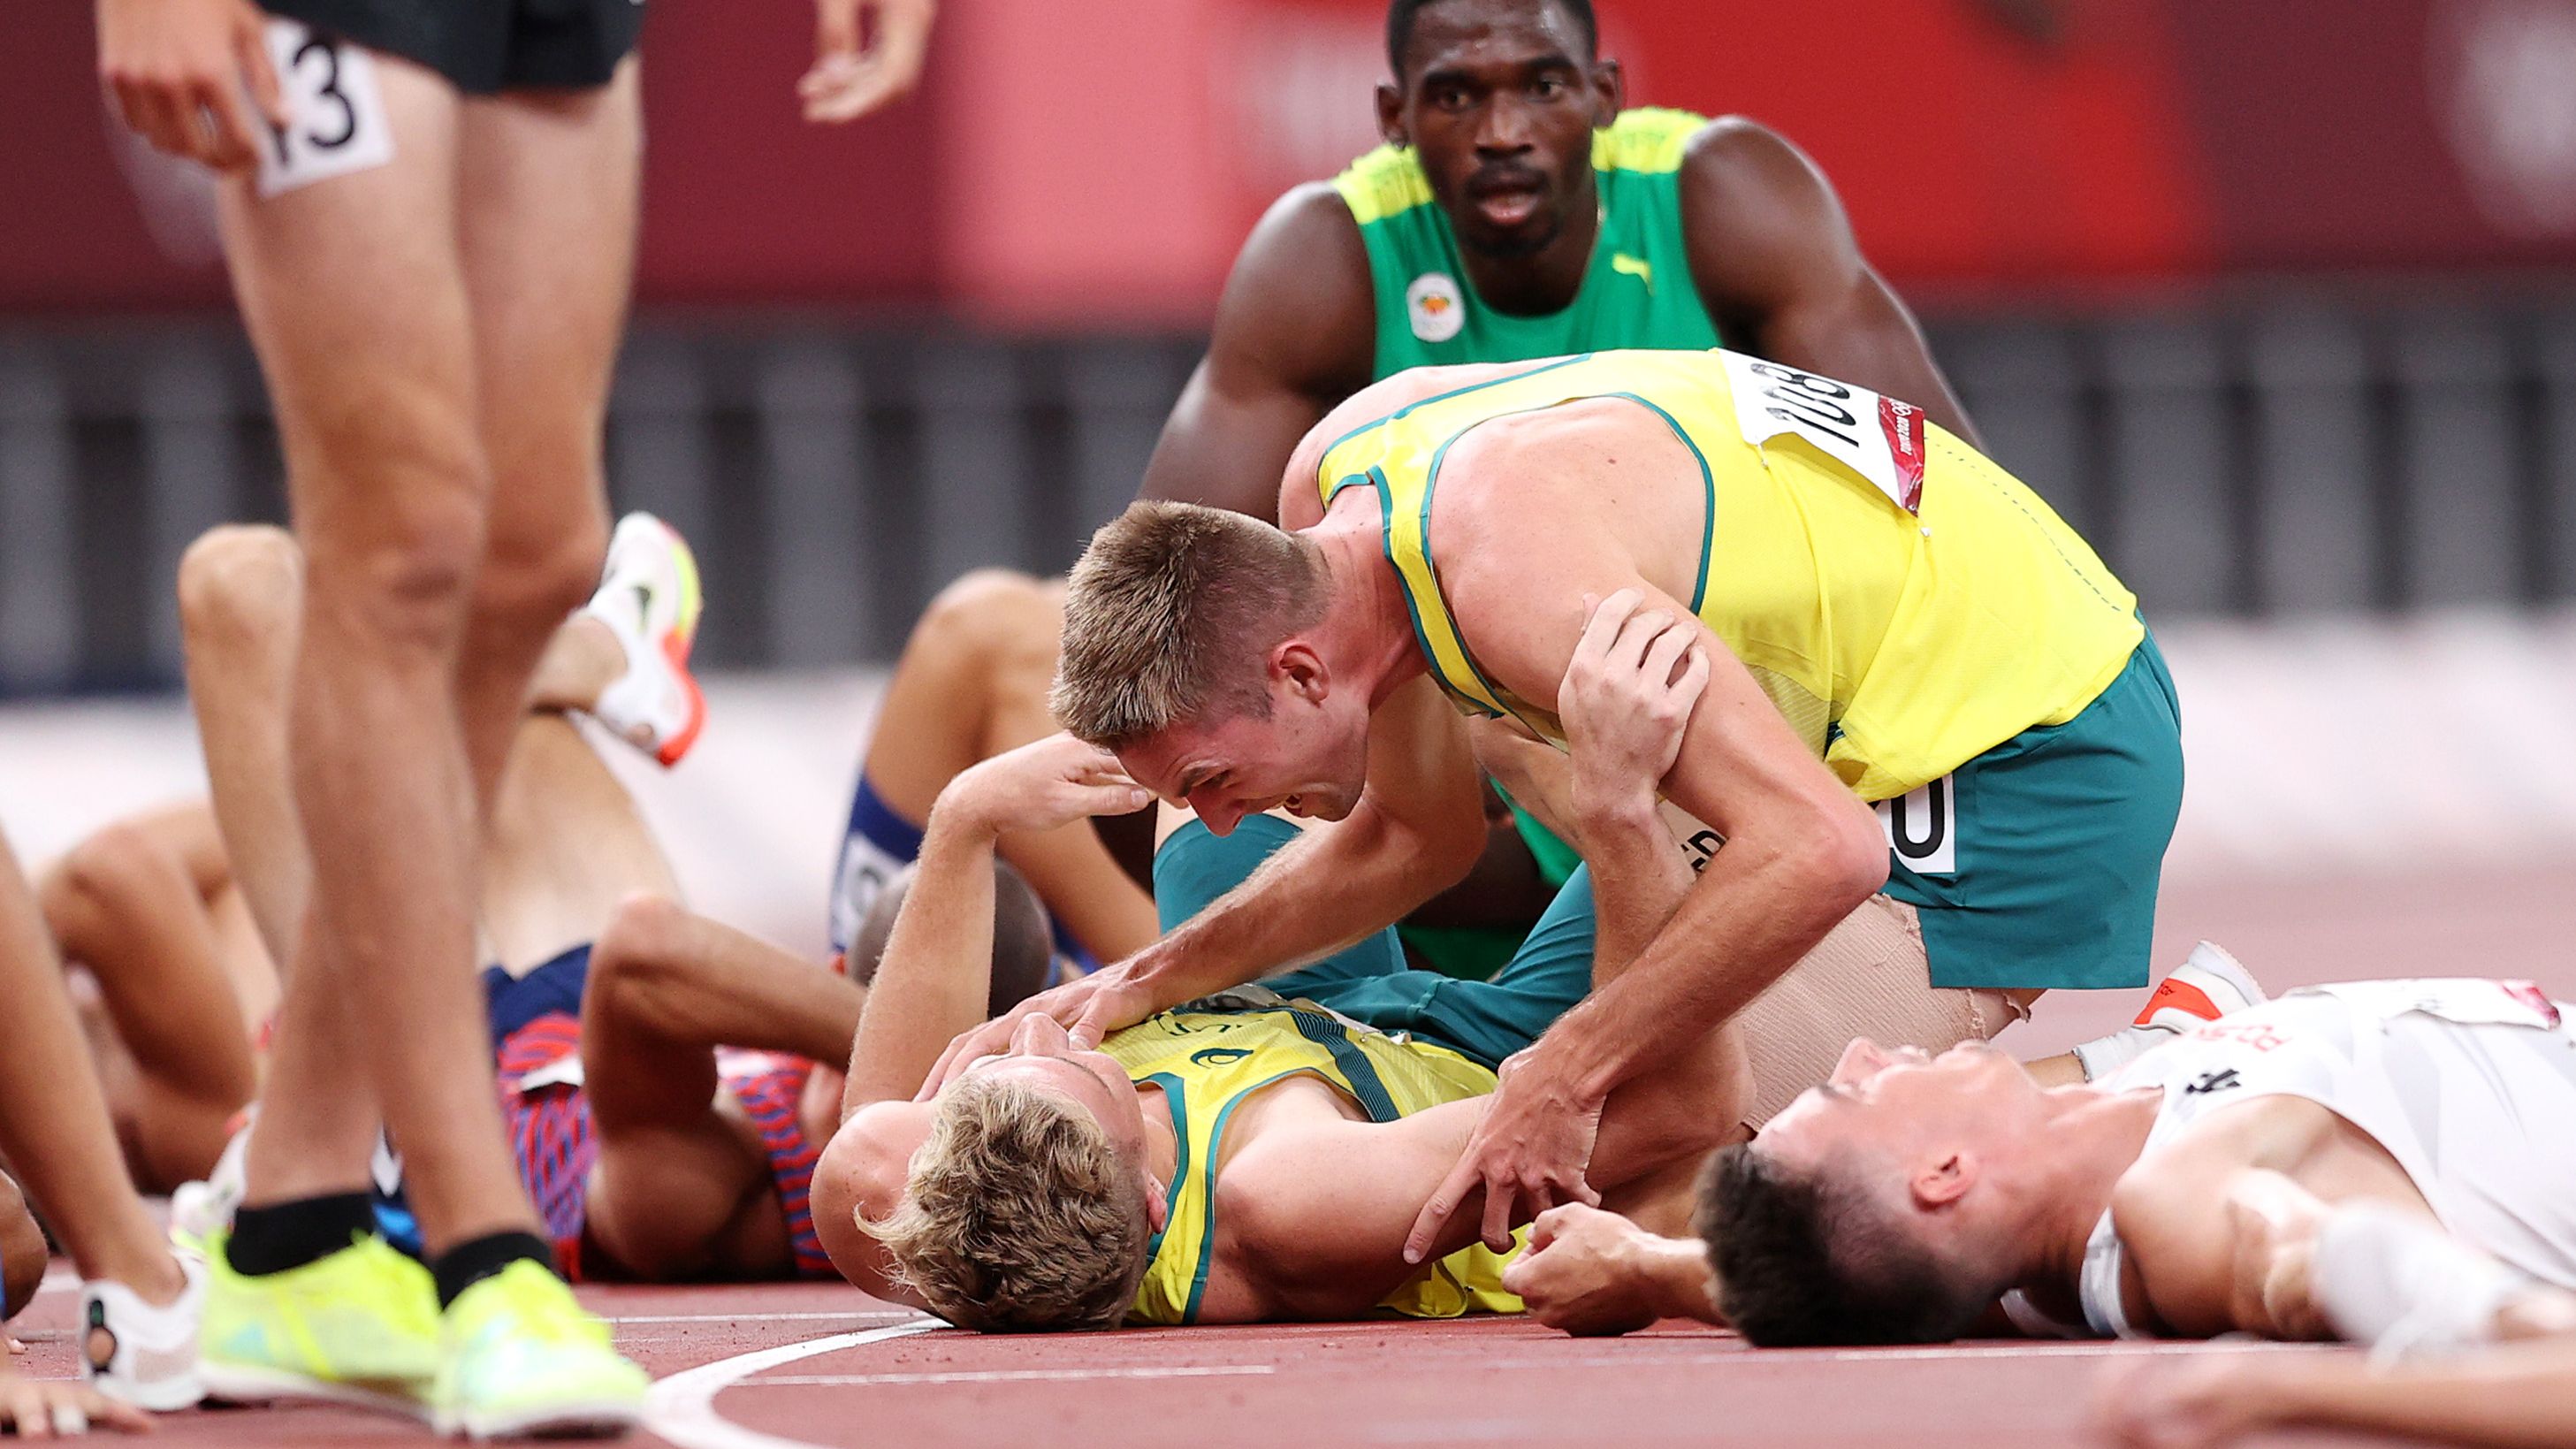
x=1842, y=860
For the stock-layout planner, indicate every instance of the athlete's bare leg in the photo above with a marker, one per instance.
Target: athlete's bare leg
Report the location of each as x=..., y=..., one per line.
x=149, y=907
x=682, y=1187
x=972, y=684
x=356, y=300
x=565, y=845
x=54, y=1128
x=241, y=604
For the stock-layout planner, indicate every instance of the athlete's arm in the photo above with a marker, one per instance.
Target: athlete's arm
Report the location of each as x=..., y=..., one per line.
x=1295, y=334
x=936, y=975
x=2521, y=1396
x=1779, y=269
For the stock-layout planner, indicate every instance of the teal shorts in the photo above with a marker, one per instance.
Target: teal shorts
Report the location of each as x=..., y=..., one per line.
x=2035, y=864
x=1369, y=982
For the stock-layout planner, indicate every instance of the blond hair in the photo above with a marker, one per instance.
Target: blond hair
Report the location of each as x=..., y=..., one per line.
x=1167, y=615
x=1018, y=1214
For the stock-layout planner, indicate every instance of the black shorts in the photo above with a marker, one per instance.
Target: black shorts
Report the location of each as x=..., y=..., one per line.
x=485, y=46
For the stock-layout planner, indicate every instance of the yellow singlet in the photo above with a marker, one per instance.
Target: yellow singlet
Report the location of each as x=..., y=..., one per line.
x=1906, y=603
x=1207, y=1062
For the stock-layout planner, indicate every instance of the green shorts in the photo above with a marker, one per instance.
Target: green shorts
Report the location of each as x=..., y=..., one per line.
x=1369, y=982
x=2035, y=864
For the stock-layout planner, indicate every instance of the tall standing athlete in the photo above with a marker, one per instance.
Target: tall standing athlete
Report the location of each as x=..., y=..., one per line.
x=431, y=239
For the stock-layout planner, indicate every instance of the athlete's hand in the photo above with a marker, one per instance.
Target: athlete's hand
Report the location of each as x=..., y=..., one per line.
x=186, y=74
x=1586, y=1271
x=1528, y=1152
x=1088, y=1008
x=1627, y=697
x=2194, y=1403
x=1041, y=785
x=849, y=81
x=62, y=1409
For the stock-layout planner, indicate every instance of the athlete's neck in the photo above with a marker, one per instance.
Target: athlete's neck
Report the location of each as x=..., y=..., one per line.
x=2092, y=1140
x=1538, y=283
x=1366, y=635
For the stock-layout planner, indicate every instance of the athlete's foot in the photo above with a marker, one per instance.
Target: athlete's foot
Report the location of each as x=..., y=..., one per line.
x=522, y=1357
x=2208, y=984
x=649, y=598
x=359, y=1326
x=140, y=1352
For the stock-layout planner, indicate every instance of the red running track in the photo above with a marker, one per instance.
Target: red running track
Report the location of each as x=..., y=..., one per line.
x=1482, y=1382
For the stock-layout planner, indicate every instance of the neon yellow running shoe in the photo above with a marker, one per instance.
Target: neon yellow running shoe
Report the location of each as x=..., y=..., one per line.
x=358, y=1327
x=523, y=1357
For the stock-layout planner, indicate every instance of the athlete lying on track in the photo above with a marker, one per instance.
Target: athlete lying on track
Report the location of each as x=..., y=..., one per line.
x=2186, y=1195
x=1044, y=1186
x=660, y=1084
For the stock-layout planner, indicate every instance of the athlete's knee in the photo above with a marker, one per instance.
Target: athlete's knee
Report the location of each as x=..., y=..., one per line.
x=239, y=582
x=999, y=618
x=536, y=570
x=105, y=876
x=634, y=952
x=401, y=578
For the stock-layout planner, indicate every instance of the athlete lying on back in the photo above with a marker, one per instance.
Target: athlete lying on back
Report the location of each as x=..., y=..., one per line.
x=1098, y=1172
x=2211, y=1186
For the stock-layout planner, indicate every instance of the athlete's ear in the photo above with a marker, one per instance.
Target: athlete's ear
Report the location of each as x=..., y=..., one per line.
x=1296, y=664
x=1944, y=1180
x=1390, y=116
x=1610, y=84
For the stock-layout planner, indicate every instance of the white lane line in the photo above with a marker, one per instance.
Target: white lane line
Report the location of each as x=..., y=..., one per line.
x=1012, y=1376
x=681, y=1408
x=862, y=1315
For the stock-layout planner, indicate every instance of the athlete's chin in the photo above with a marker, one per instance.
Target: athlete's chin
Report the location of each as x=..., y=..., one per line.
x=1511, y=243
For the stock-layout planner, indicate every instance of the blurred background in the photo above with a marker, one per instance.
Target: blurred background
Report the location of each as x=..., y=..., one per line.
x=2276, y=302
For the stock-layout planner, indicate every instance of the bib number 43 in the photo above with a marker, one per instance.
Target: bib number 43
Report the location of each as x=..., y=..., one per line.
x=335, y=111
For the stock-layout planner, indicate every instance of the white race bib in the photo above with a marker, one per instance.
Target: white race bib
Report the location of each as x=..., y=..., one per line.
x=1922, y=827
x=1876, y=437
x=2465, y=1001
x=335, y=113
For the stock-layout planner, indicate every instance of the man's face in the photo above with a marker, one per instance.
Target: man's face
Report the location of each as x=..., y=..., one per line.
x=1499, y=98
x=1310, y=755
x=1905, y=1106
x=1043, y=1057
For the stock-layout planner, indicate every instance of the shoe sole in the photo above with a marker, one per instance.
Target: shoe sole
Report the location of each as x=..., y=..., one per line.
x=2218, y=961
x=242, y=1384
x=162, y=1396
x=594, y=1419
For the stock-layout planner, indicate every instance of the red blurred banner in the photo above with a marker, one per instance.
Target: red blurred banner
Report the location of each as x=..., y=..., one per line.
x=1098, y=164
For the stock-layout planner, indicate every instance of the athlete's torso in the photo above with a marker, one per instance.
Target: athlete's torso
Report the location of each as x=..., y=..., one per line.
x=1905, y=603
x=1208, y=1063
x=1638, y=291
x=2467, y=1084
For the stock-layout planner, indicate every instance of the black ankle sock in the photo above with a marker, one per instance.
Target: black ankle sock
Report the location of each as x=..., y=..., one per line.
x=475, y=1259
x=298, y=1231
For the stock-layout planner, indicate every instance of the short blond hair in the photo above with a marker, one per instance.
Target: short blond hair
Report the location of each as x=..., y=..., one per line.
x=1167, y=613
x=1018, y=1214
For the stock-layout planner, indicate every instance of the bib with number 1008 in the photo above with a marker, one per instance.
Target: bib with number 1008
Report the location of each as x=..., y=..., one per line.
x=1876, y=437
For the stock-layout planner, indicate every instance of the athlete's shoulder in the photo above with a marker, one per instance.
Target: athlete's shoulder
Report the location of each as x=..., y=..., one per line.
x=1382, y=183
x=1739, y=153
x=1648, y=139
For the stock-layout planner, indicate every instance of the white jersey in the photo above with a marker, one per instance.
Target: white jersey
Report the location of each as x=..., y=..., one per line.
x=2470, y=1085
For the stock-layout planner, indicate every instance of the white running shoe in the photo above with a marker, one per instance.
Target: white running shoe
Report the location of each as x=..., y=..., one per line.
x=2208, y=984
x=139, y=1353
x=650, y=599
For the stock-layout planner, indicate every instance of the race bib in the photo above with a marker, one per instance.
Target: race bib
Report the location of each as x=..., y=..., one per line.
x=1698, y=842
x=1878, y=438
x=1922, y=828
x=335, y=112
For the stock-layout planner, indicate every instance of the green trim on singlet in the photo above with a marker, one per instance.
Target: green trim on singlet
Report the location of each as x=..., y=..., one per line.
x=1178, y=1100
x=1207, y=1169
